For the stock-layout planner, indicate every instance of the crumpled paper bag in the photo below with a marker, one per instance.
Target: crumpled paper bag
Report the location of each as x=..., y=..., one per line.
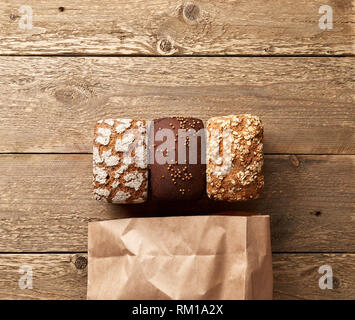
x=188, y=257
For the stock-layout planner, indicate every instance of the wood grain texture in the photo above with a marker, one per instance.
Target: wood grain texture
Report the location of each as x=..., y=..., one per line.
x=51, y=104
x=179, y=27
x=55, y=276
x=296, y=276
x=64, y=276
x=46, y=203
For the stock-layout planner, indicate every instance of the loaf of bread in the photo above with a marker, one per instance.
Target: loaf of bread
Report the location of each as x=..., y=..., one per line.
x=120, y=161
x=235, y=158
x=172, y=179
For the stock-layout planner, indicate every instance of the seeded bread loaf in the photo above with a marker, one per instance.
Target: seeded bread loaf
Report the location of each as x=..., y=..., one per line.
x=120, y=161
x=235, y=158
x=173, y=179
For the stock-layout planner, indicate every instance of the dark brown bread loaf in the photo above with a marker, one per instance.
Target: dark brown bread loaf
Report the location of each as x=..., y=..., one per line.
x=235, y=166
x=177, y=181
x=120, y=161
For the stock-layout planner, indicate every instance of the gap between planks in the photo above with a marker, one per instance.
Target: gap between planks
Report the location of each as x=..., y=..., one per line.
x=266, y=154
x=85, y=252
x=88, y=55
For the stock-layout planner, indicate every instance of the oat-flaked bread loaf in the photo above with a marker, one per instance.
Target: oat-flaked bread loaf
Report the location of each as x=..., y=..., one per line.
x=235, y=166
x=120, y=161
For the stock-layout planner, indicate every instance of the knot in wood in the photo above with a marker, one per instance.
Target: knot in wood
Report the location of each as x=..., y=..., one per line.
x=191, y=11
x=80, y=262
x=73, y=94
x=336, y=283
x=14, y=17
x=316, y=213
x=294, y=161
x=165, y=47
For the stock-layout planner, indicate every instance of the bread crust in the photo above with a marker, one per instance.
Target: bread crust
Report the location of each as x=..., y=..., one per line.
x=120, y=173
x=176, y=181
x=237, y=173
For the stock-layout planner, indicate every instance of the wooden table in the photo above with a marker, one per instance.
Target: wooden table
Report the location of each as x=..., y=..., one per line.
x=92, y=59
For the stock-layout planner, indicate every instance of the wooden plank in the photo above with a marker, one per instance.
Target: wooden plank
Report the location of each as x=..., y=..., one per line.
x=51, y=104
x=64, y=276
x=46, y=203
x=55, y=276
x=180, y=27
x=296, y=276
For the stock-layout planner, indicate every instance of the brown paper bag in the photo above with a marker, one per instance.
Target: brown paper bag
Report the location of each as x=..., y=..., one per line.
x=191, y=257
